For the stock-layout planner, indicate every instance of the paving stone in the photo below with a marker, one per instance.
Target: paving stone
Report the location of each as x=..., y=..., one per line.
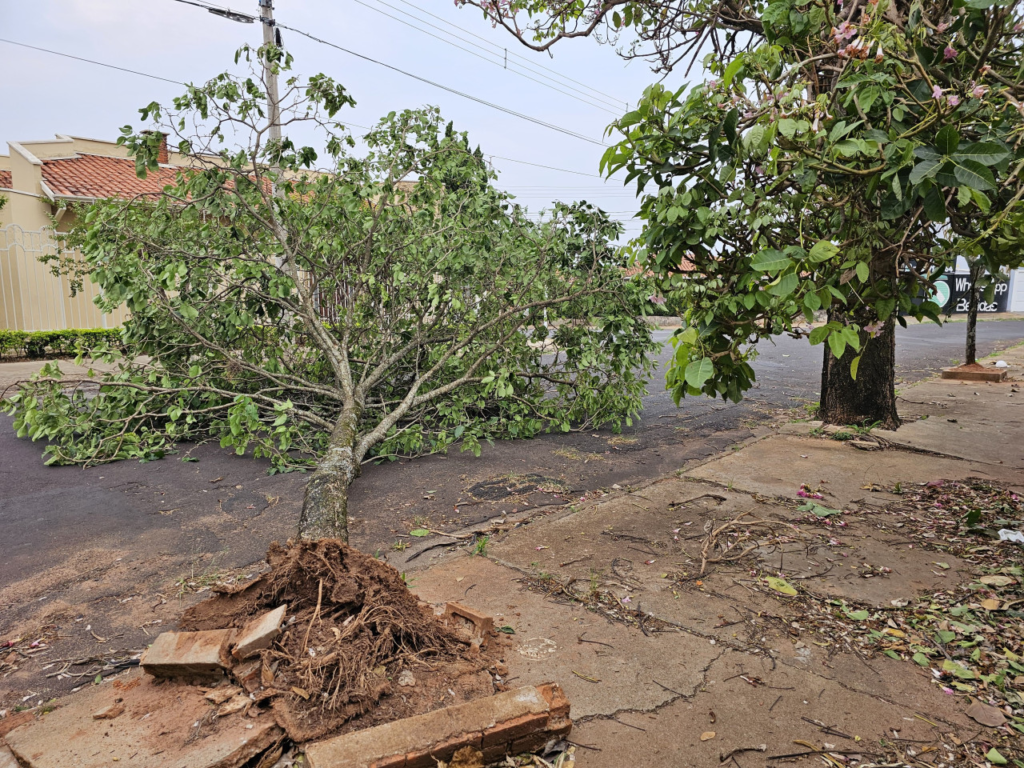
x=531, y=714
x=259, y=633
x=166, y=724
x=547, y=643
x=188, y=654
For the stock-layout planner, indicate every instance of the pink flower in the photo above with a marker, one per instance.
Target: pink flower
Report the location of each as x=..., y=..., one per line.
x=949, y=53
x=954, y=100
x=979, y=91
x=943, y=26
x=947, y=691
x=656, y=299
x=936, y=92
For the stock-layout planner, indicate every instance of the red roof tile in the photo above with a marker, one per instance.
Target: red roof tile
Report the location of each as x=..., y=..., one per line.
x=5, y=180
x=99, y=176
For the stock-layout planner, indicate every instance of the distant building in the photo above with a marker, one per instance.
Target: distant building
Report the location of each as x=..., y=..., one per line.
x=39, y=179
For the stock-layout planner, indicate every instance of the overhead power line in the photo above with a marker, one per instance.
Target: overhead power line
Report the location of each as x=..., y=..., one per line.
x=90, y=61
x=178, y=82
x=531, y=62
x=582, y=98
x=449, y=89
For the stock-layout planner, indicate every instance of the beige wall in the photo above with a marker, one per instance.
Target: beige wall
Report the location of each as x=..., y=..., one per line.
x=31, y=297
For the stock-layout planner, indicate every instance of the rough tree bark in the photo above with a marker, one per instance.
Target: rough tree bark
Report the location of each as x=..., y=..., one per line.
x=871, y=398
x=325, y=505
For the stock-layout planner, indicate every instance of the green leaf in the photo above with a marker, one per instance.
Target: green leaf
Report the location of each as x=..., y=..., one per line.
x=699, y=371
x=920, y=658
x=420, y=532
x=769, y=261
x=984, y=152
x=863, y=271
x=819, y=334
x=857, y=615
x=731, y=70
x=812, y=302
x=926, y=153
x=818, y=509
x=926, y=169
x=822, y=251
x=781, y=585
x=995, y=758
x=854, y=366
x=507, y=630
x=934, y=205
x=960, y=671
x=837, y=344
x=785, y=286
x=787, y=127
x=974, y=175
x=947, y=140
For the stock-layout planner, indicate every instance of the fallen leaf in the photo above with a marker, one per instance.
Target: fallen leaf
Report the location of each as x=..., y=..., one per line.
x=300, y=692
x=781, y=585
x=419, y=532
x=707, y=735
x=995, y=758
x=858, y=615
x=990, y=604
x=985, y=714
x=997, y=581
x=920, y=658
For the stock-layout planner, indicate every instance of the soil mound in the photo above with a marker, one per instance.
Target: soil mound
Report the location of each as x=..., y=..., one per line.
x=352, y=626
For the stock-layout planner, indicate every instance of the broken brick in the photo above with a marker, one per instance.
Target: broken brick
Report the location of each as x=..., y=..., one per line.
x=259, y=633
x=418, y=742
x=223, y=693
x=188, y=654
x=109, y=713
x=475, y=624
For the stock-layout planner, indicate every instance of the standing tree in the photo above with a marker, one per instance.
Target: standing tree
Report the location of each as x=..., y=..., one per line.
x=394, y=304
x=841, y=157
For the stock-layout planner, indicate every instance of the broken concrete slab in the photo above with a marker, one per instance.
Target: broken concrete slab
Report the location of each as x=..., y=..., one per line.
x=166, y=724
x=517, y=720
x=7, y=759
x=547, y=645
x=746, y=703
x=188, y=654
x=259, y=633
x=776, y=466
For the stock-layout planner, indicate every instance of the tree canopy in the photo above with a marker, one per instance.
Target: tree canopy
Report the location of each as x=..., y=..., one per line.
x=393, y=302
x=838, y=157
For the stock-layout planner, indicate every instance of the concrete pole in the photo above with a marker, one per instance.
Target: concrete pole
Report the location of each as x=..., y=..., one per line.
x=273, y=107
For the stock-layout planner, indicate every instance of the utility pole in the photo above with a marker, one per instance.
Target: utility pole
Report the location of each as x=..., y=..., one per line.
x=269, y=75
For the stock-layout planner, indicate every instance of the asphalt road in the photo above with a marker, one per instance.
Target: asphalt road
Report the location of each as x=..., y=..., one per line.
x=73, y=536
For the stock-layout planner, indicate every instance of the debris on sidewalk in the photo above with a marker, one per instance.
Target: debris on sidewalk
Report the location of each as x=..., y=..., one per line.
x=165, y=724
x=516, y=721
x=324, y=643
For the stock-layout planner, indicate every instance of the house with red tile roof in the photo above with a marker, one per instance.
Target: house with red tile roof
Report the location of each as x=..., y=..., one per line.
x=39, y=179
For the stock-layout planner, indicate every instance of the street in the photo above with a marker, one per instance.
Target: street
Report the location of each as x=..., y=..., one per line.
x=79, y=543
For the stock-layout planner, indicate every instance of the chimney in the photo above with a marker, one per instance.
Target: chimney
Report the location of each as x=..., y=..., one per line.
x=161, y=156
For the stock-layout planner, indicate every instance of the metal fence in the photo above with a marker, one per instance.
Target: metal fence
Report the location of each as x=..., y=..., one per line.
x=32, y=298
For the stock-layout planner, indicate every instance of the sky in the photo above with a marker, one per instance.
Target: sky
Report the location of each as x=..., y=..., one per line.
x=43, y=94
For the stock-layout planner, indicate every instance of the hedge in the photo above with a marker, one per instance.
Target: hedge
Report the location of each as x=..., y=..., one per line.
x=38, y=344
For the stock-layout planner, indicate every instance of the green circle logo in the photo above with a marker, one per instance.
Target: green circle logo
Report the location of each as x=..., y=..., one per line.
x=940, y=295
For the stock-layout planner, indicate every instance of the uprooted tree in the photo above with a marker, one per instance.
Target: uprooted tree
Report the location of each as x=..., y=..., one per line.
x=394, y=303
x=843, y=154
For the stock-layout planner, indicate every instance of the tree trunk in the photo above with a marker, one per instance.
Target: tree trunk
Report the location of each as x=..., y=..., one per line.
x=325, y=505
x=871, y=398
x=971, y=351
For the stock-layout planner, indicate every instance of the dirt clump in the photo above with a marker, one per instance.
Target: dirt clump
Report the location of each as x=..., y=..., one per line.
x=352, y=629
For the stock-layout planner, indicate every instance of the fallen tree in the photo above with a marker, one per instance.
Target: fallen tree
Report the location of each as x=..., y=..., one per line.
x=394, y=303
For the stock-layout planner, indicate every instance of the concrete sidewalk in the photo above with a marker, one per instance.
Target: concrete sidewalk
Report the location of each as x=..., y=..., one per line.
x=657, y=611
